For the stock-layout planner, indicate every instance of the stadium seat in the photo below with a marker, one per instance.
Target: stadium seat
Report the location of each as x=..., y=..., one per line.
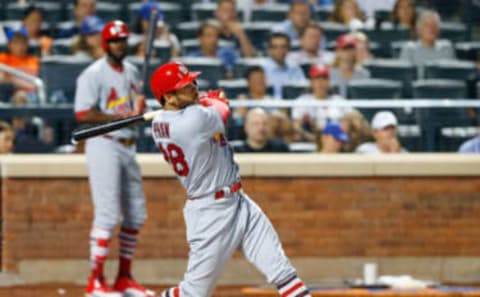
x=234, y=87
x=203, y=11
x=172, y=12
x=371, y=89
x=333, y=30
x=396, y=47
x=431, y=120
x=451, y=69
x=468, y=50
x=212, y=68
x=270, y=13
x=451, y=138
x=62, y=46
x=242, y=64
x=293, y=90
x=258, y=32
x=478, y=89
x=53, y=11
x=59, y=74
x=394, y=69
x=187, y=30
x=153, y=64
x=6, y=91
x=162, y=50
x=191, y=45
x=374, y=89
x=455, y=32
x=322, y=13
x=385, y=36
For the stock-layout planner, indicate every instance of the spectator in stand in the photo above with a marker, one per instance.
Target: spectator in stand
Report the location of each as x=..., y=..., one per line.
x=309, y=121
x=81, y=9
x=257, y=89
x=246, y=6
x=231, y=29
x=17, y=57
x=322, y=3
x=357, y=128
x=89, y=42
x=347, y=13
x=311, y=49
x=428, y=47
x=384, y=131
x=471, y=146
x=162, y=32
x=277, y=69
x=208, y=37
x=362, y=50
x=332, y=139
x=299, y=16
x=258, y=135
x=404, y=15
x=7, y=138
x=32, y=22
x=344, y=68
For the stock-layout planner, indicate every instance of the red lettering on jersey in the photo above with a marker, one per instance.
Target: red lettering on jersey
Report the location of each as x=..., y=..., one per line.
x=161, y=130
x=113, y=94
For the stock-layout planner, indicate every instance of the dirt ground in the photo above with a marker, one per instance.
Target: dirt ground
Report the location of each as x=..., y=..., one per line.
x=71, y=290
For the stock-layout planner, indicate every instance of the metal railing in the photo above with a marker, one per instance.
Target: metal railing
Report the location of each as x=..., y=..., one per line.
x=40, y=86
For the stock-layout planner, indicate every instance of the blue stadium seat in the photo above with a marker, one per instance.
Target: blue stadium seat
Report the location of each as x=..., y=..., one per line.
x=394, y=69
x=455, y=32
x=333, y=30
x=322, y=14
x=293, y=90
x=270, y=13
x=468, y=50
x=384, y=37
x=187, y=30
x=203, y=11
x=258, y=32
x=212, y=68
x=162, y=50
x=6, y=91
x=59, y=74
x=478, y=89
x=234, y=87
x=53, y=11
x=451, y=69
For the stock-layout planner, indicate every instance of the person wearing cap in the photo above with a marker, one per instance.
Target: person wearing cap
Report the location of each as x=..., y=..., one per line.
x=277, y=69
x=384, y=131
x=344, y=67
x=89, y=42
x=332, y=139
x=162, y=31
x=311, y=47
x=18, y=57
x=208, y=38
x=309, y=121
x=299, y=17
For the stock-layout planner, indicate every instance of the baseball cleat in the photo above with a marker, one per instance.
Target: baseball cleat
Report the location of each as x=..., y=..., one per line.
x=97, y=287
x=130, y=288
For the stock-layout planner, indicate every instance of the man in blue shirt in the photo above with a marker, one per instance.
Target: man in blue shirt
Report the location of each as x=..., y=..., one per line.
x=208, y=37
x=277, y=70
x=299, y=17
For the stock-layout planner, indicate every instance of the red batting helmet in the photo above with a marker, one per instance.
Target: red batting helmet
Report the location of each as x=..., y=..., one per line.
x=170, y=77
x=113, y=30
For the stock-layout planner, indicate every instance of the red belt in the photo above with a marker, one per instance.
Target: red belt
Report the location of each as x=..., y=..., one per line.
x=228, y=190
x=124, y=141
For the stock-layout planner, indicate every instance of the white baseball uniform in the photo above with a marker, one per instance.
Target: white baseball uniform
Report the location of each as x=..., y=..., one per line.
x=114, y=174
x=219, y=216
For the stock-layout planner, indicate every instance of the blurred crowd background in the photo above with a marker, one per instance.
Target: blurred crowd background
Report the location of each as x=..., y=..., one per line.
x=295, y=50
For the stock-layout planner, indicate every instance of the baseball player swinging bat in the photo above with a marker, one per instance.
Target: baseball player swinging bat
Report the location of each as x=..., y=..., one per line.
x=96, y=130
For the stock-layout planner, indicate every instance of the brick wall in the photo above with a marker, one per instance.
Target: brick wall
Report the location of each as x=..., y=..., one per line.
x=315, y=217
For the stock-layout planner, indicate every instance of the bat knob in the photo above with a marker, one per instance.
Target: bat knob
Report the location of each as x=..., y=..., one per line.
x=73, y=141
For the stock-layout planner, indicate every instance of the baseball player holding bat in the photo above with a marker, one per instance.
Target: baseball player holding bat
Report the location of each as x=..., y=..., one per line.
x=108, y=90
x=220, y=218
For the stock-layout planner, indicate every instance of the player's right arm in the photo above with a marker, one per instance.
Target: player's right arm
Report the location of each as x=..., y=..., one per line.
x=86, y=100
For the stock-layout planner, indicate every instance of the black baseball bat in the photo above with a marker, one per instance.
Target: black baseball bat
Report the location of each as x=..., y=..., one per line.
x=152, y=26
x=84, y=133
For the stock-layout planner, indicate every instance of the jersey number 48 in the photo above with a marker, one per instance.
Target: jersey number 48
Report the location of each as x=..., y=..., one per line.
x=174, y=155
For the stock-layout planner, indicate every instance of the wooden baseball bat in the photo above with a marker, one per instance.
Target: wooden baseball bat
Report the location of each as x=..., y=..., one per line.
x=84, y=133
